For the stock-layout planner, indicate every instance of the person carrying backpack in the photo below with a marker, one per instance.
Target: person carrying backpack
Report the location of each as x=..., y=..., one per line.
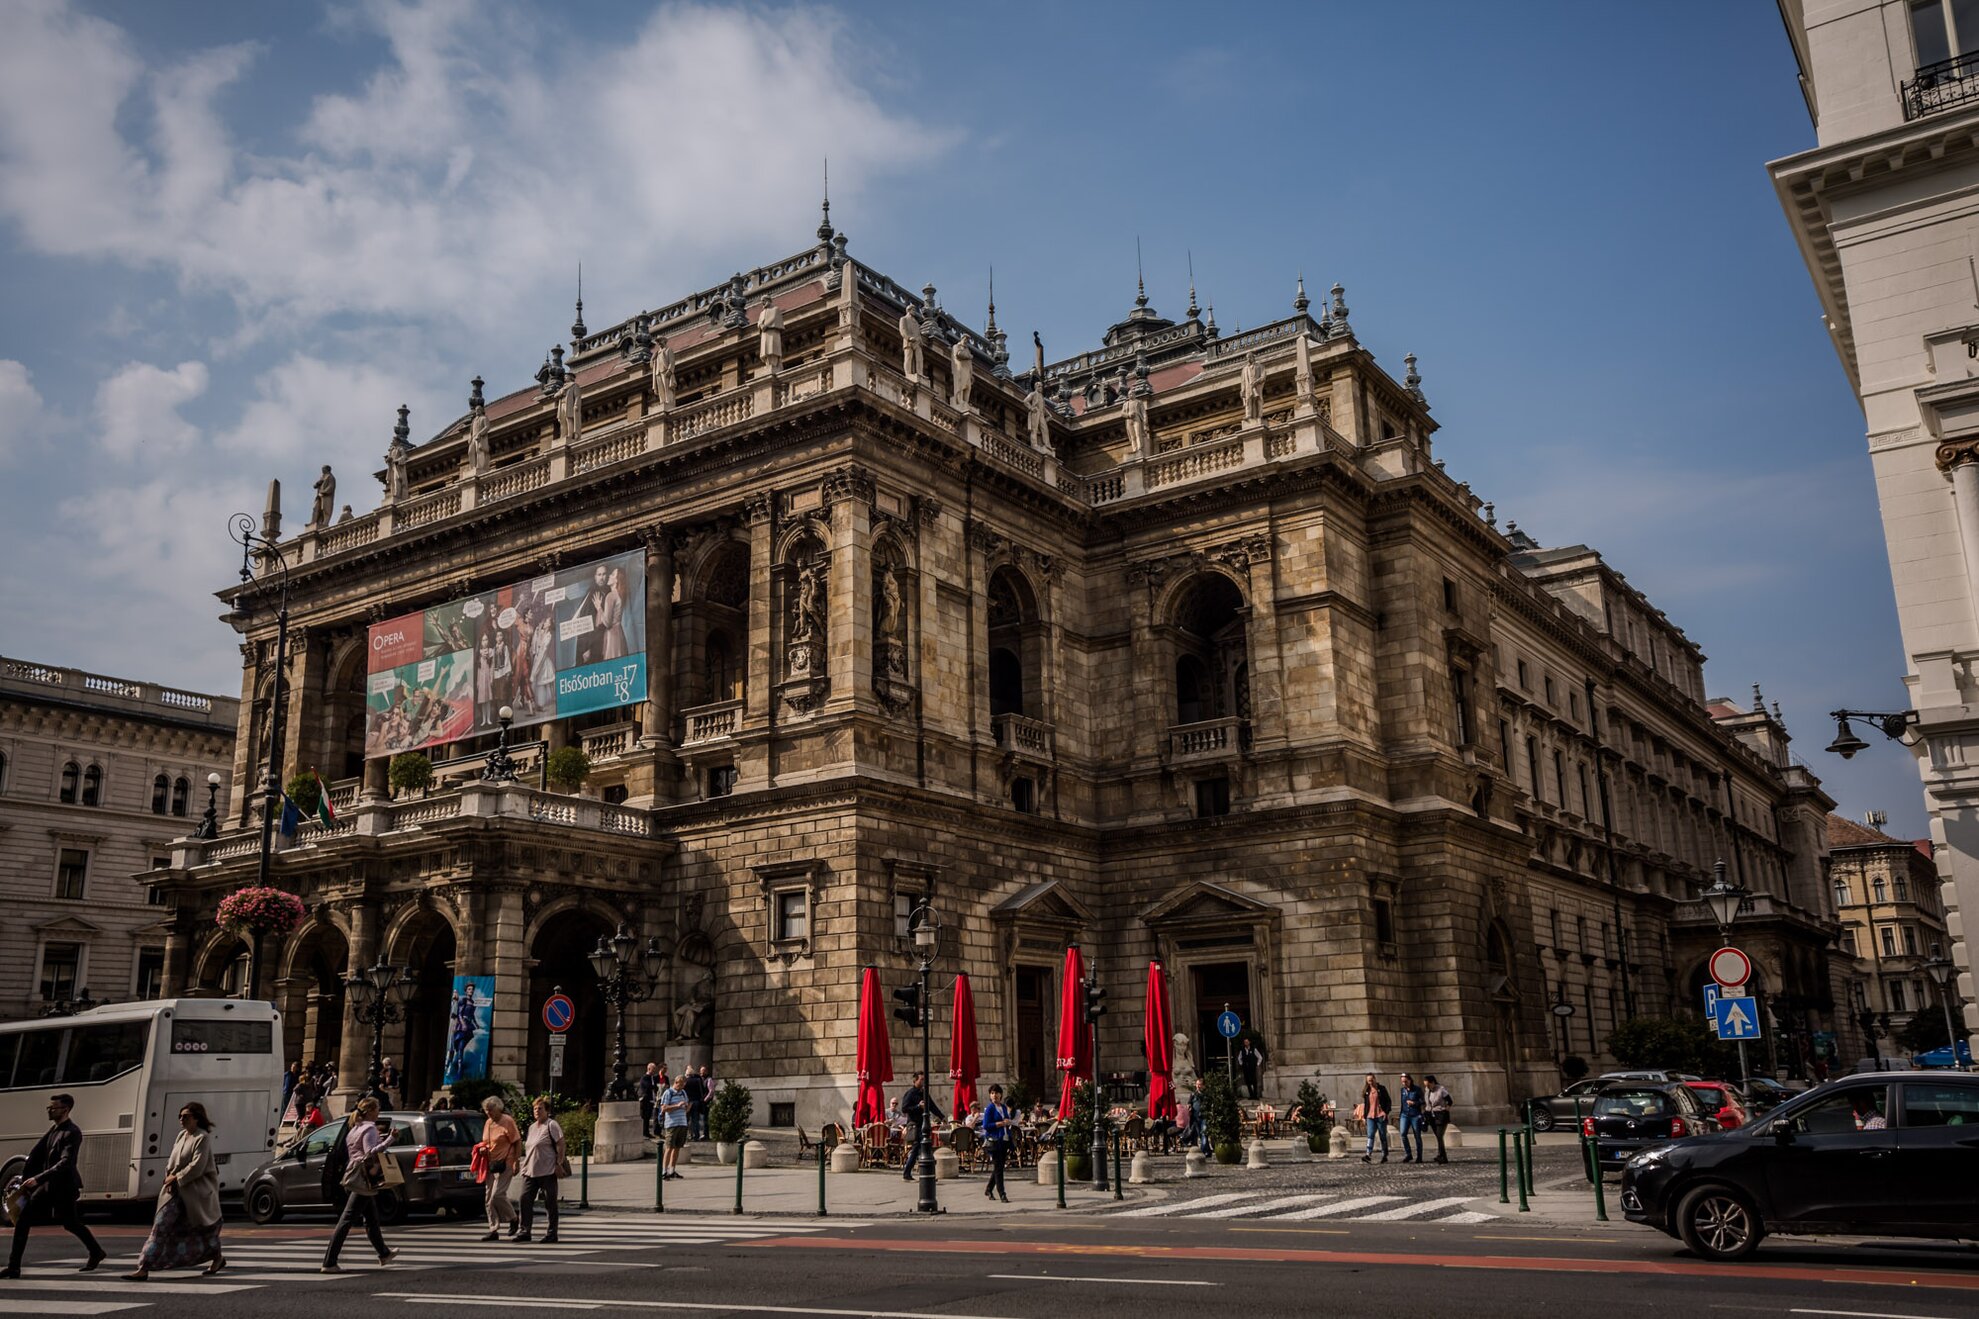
x=362, y=1176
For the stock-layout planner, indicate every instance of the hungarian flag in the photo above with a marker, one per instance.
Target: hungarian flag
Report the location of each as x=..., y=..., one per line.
x=323, y=810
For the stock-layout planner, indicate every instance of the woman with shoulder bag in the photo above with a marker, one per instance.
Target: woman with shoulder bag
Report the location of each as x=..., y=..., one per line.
x=543, y=1162
x=186, y=1228
x=365, y=1176
x=500, y=1144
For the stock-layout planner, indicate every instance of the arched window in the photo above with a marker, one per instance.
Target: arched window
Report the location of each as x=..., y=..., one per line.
x=1881, y=890
x=1006, y=679
x=1191, y=689
x=1841, y=892
x=161, y=788
x=181, y=796
x=723, y=674
x=71, y=781
x=1016, y=646
x=92, y=786
x=1212, y=671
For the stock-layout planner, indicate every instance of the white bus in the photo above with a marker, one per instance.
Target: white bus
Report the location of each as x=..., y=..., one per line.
x=130, y=1067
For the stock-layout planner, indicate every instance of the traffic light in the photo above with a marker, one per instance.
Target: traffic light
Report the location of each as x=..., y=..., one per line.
x=1095, y=1001
x=909, y=1010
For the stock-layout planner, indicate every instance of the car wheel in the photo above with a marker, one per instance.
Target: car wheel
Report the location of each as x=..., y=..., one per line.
x=392, y=1207
x=1718, y=1223
x=1542, y=1118
x=264, y=1203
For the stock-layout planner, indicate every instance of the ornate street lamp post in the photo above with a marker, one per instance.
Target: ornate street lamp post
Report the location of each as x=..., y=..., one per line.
x=1941, y=969
x=618, y=979
x=501, y=765
x=926, y=933
x=1724, y=900
x=1871, y=1024
x=379, y=993
x=271, y=786
x=209, y=823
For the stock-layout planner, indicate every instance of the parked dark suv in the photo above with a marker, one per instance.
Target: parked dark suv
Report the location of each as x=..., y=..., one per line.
x=433, y=1150
x=1630, y=1116
x=1889, y=1154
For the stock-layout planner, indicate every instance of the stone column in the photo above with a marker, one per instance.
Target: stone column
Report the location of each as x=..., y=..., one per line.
x=243, y=783
x=504, y=955
x=762, y=630
x=178, y=954
x=848, y=494
x=659, y=635
x=309, y=664
x=1152, y=714
x=354, y=1054
x=1963, y=460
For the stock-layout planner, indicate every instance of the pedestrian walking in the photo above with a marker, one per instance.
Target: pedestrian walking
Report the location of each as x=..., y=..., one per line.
x=649, y=1094
x=1410, y=1116
x=185, y=1230
x=1249, y=1061
x=995, y=1126
x=52, y=1187
x=673, y=1122
x=1436, y=1105
x=917, y=1106
x=500, y=1144
x=364, y=1175
x=700, y=1093
x=1373, y=1110
x=542, y=1163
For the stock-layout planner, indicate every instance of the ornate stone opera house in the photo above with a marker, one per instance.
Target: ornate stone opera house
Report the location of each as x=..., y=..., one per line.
x=1187, y=650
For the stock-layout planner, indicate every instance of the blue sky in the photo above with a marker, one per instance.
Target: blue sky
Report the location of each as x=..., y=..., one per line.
x=234, y=237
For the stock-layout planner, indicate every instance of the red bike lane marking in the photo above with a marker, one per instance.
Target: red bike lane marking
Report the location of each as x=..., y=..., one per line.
x=1506, y=1263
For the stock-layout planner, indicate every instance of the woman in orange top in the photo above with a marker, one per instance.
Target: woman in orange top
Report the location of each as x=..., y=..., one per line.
x=501, y=1142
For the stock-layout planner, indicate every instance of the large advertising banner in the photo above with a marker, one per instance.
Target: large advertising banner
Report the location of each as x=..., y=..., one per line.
x=566, y=643
x=470, y=1027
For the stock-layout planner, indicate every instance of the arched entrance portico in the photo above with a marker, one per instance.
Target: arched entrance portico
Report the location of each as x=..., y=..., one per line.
x=559, y=960
x=310, y=990
x=424, y=945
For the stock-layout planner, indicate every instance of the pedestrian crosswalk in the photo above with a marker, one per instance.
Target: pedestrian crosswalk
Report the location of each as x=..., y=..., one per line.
x=1307, y=1206
x=52, y=1287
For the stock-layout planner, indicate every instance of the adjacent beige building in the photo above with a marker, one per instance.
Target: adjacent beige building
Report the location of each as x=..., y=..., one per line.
x=1889, y=899
x=1885, y=208
x=1182, y=648
x=98, y=776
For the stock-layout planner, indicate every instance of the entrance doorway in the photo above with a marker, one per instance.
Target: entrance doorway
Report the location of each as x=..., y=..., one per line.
x=1033, y=1054
x=1217, y=986
x=562, y=951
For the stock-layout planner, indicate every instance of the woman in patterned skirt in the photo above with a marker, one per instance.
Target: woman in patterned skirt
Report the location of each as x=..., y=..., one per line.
x=186, y=1229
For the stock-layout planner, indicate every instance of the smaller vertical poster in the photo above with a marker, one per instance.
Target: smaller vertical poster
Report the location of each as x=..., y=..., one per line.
x=470, y=1027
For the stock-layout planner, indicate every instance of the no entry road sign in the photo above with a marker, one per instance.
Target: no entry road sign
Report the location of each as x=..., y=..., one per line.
x=1730, y=967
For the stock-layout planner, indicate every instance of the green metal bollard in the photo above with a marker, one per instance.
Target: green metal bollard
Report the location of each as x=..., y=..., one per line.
x=821, y=1179
x=1589, y=1164
x=1531, y=1161
x=1504, y=1174
x=1118, y=1194
x=738, y=1171
x=1518, y=1148
x=659, y=1182
x=584, y=1176
x=1600, y=1191
x=1061, y=1172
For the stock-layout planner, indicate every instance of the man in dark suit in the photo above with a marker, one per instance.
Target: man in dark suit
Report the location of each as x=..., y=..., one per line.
x=53, y=1186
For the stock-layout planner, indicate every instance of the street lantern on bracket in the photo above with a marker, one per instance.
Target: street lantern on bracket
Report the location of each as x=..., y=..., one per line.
x=1895, y=727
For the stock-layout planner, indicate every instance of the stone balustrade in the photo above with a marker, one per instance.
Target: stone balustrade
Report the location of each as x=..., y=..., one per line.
x=1017, y=733
x=705, y=723
x=1212, y=739
x=516, y=479
x=611, y=740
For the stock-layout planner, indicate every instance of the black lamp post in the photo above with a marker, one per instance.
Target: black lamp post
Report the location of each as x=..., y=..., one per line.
x=501, y=765
x=243, y=525
x=1941, y=969
x=1895, y=726
x=1724, y=899
x=209, y=823
x=1095, y=1005
x=379, y=994
x=926, y=933
x=1872, y=1025
x=621, y=982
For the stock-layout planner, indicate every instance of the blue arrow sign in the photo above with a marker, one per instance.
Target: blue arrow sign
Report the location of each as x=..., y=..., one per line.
x=1737, y=1019
x=1228, y=1024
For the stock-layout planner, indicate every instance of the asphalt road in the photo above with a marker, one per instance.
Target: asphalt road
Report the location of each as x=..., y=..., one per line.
x=1006, y=1268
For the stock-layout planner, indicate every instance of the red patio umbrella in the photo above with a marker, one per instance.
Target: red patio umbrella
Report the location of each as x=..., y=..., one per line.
x=875, y=1056
x=963, y=1063
x=1075, y=1044
x=1158, y=1039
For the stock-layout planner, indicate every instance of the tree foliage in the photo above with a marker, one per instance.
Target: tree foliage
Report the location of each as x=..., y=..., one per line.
x=567, y=769
x=410, y=771
x=1679, y=1044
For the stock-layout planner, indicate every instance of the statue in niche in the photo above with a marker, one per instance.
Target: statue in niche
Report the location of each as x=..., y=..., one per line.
x=1251, y=385
x=770, y=338
x=1037, y=415
x=912, y=363
x=477, y=441
x=1140, y=442
x=962, y=361
x=694, y=1018
x=665, y=382
x=807, y=622
x=891, y=619
x=1302, y=382
x=326, y=499
x=570, y=411
x=889, y=625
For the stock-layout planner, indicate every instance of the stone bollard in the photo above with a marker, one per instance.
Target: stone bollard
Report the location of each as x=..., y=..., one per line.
x=1048, y=1168
x=1255, y=1158
x=1337, y=1145
x=1192, y=1164
x=1142, y=1170
x=946, y=1165
x=845, y=1158
x=1453, y=1138
x=754, y=1155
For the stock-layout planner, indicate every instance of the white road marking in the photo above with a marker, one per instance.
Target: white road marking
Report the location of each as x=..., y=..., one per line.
x=727, y=1307
x=26, y=1306
x=1419, y=1207
x=1138, y=1282
x=1468, y=1216
x=1185, y=1206
x=1332, y=1210
x=1867, y=1314
x=1282, y=1202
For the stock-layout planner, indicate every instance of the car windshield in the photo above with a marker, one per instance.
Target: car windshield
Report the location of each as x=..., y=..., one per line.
x=1632, y=1103
x=453, y=1130
x=1709, y=1095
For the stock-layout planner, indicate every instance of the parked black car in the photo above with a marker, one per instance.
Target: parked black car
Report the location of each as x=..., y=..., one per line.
x=1892, y=1154
x=1566, y=1109
x=433, y=1151
x=1630, y=1116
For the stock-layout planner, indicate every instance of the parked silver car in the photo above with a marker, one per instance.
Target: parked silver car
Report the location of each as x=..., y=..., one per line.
x=433, y=1151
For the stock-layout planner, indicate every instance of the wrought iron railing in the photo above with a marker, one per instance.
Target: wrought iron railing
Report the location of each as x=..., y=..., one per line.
x=1945, y=85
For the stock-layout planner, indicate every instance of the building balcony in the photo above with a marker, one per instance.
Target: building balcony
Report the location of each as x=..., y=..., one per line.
x=1212, y=739
x=610, y=741
x=710, y=723
x=1947, y=85
x=1026, y=737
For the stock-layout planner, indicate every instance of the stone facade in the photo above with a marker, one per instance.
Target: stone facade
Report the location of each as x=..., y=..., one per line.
x=98, y=776
x=1183, y=648
x=1887, y=895
x=1882, y=210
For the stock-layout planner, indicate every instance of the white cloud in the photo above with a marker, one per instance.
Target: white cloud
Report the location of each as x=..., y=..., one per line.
x=137, y=409
x=324, y=411
x=20, y=409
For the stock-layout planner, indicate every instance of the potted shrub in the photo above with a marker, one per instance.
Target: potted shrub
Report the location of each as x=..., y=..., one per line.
x=728, y=1119
x=567, y=768
x=305, y=793
x=1077, y=1149
x=1312, y=1117
x=1225, y=1124
x=410, y=772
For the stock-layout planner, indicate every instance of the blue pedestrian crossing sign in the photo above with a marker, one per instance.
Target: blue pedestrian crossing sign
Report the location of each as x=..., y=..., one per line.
x=1737, y=1018
x=1228, y=1024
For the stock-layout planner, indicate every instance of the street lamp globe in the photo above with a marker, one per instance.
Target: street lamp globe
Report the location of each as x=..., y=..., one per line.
x=1846, y=743
x=1723, y=898
x=603, y=960
x=1940, y=969
x=654, y=959
x=506, y=714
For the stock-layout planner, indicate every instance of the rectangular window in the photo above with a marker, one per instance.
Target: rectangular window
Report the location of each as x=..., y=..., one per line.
x=1505, y=744
x=721, y=780
x=1889, y=936
x=1460, y=697
x=150, y=976
x=903, y=914
x=1587, y=798
x=1551, y=697
x=1848, y=940
x=60, y=964
x=783, y=1115
x=1449, y=595
x=71, y=869
x=192, y=1035
x=1560, y=776
x=1927, y=30
x=1525, y=678
x=1910, y=941
x=1902, y=888
x=1573, y=704
x=1553, y=921
x=1580, y=933
x=40, y=1057
x=97, y=1053
x=793, y=916
x=1532, y=767
x=1384, y=922
x=153, y=895
x=1212, y=797
x=1899, y=1001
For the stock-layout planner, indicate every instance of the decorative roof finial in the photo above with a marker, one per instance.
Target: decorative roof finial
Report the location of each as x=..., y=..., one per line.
x=824, y=224
x=1491, y=515
x=474, y=399
x=1141, y=385
x=577, y=330
x=1195, y=312
x=1778, y=718
x=402, y=433
x=1140, y=279
x=1339, y=317
x=1758, y=699
x=1301, y=302
x=1412, y=382
x=1212, y=320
